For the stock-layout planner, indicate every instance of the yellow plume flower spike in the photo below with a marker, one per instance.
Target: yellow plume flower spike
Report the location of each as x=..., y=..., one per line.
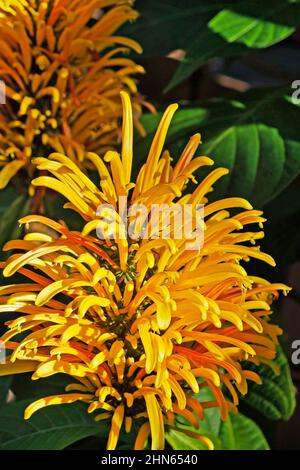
x=141, y=323
x=63, y=73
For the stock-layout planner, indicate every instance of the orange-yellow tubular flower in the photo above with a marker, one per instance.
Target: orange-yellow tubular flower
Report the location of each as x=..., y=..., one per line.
x=63, y=66
x=144, y=325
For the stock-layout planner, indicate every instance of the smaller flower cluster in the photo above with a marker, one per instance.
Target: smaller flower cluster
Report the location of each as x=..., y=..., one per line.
x=64, y=68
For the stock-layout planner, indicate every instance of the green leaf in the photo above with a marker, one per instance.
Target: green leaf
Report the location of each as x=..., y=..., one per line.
x=159, y=23
x=238, y=432
x=52, y=428
x=275, y=398
x=209, y=427
x=249, y=24
x=212, y=420
x=282, y=230
x=215, y=28
x=254, y=135
x=54, y=208
x=241, y=433
x=9, y=226
x=179, y=440
x=239, y=29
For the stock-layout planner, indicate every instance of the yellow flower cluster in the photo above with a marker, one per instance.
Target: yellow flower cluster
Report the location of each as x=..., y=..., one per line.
x=63, y=67
x=144, y=325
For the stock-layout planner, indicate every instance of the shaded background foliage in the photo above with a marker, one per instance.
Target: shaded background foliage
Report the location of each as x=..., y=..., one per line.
x=232, y=70
x=231, y=65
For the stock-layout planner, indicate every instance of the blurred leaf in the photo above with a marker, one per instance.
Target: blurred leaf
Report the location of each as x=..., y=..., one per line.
x=9, y=226
x=255, y=135
x=241, y=433
x=208, y=29
x=4, y=387
x=52, y=428
x=7, y=195
x=165, y=26
x=54, y=208
x=24, y=387
x=127, y=439
x=275, y=398
x=282, y=232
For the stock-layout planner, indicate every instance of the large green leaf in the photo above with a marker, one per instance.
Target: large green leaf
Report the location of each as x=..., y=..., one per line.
x=52, y=428
x=241, y=433
x=275, y=398
x=212, y=28
x=247, y=23
x=255, y=135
